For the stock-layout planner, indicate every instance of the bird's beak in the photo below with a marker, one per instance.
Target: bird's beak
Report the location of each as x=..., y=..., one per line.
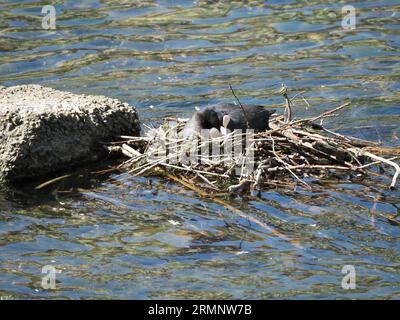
x=225, y=120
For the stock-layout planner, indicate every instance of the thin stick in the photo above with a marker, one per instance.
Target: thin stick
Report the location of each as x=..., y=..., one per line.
x=286, y=165
x=376, y=162
x=194, y=170
x=203, y=178
x=44, y=184
x=241, y=106
x=304, y=166
x=359, y=152
x=327, y=113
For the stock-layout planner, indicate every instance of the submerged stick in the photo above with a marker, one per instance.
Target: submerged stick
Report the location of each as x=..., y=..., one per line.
x=240, y=213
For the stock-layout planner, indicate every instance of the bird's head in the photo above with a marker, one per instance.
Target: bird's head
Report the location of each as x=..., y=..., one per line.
x=209, y=119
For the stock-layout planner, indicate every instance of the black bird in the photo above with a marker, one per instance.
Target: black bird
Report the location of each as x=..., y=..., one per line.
x=255, y=116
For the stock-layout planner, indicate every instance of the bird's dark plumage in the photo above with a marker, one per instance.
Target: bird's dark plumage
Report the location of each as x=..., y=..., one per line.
x=212, y=117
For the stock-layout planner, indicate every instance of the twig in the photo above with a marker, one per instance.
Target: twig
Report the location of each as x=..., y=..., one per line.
x=327, y=113
x=361, y=152
x=286, y=165
x=376, y=162
x=241, y=106
x=288, y=109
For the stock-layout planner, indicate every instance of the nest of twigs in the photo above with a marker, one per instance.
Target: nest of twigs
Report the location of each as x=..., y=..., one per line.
x=290, y=153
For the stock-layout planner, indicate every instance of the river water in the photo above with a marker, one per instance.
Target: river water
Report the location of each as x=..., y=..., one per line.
x=121, y=236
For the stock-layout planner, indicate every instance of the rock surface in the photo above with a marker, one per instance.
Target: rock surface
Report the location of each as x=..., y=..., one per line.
x=43, y=130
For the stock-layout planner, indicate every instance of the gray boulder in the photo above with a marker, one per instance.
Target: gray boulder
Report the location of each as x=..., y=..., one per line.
x=43, y=130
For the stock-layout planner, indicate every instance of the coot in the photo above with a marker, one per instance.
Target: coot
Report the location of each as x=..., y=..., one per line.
x=212, y=117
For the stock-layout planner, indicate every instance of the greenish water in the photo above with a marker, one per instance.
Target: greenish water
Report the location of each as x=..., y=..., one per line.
x=122, y=237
